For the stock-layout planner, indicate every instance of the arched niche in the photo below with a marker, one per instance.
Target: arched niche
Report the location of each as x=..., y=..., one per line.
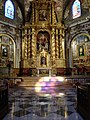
x=7, y=50
x=80, y=50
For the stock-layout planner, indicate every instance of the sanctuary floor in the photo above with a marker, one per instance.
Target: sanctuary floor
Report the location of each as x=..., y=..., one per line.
x=46, y=103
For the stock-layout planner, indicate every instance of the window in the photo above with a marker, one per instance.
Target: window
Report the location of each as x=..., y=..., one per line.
x=76, y=9
x=9, y=9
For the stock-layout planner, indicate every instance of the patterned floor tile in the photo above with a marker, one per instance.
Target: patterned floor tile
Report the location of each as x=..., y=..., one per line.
x=55, y=104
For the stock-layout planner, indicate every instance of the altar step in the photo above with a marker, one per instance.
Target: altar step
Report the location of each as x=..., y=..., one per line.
x=39, y=81
x=28, y=81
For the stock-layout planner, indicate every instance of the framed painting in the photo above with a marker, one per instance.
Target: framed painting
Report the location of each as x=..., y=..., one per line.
x=42, y=15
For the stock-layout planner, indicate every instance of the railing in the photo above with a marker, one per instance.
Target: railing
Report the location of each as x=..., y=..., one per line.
x=78, y=79
x=11, y=81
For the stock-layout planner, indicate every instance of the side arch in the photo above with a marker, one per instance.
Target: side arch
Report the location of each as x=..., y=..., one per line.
x=7, y=43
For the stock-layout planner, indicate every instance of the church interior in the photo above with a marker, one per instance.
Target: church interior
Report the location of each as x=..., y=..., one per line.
x=44, y=59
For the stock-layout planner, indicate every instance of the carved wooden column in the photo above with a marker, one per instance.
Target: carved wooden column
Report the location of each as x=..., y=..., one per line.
x=61, y=50
x=53, y=45
x=29, y=32
x=57, y=44
x=52, y=13
x=33, y=13
x=63, y=42
x=25, y=45
x=33, y=44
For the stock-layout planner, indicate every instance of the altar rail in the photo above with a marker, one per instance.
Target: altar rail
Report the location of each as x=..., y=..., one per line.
x=77, y=79
x=73, y=80
x=11, y=81
x=73, y=71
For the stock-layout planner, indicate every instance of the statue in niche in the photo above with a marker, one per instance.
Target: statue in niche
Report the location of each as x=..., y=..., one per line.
x=43, y=60
x=4, y=51
x=81, y=51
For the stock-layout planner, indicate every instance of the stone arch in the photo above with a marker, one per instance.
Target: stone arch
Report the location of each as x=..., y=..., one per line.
x=79, y=49
x=7, y=46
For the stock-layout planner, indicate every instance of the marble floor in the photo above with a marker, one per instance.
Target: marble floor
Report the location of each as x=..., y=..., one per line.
x=43, y=103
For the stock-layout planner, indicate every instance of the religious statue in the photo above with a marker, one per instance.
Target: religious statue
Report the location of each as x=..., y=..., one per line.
x=43, y=60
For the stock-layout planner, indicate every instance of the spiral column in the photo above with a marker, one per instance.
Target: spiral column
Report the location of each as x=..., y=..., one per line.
x=25, y=44
x=57, y=45
x=33, y=44
x=53, y=46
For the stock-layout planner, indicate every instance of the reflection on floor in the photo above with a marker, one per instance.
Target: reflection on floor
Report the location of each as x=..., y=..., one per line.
x=48, y=102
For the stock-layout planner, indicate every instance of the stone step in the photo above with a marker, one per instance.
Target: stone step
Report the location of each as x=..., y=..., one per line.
x=31, y=78
x=27, y=84
x=29, y=81
x=39, y=81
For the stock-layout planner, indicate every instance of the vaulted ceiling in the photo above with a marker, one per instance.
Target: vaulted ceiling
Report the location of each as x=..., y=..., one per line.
x=25, y=5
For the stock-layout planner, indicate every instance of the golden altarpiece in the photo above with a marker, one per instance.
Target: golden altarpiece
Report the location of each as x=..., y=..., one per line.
x=43, y=40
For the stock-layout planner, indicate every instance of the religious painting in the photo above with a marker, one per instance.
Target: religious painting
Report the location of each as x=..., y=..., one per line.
x=74, y=48
x=5, y=40
x=58, y=9
x=43, y=41
x=42, y=15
